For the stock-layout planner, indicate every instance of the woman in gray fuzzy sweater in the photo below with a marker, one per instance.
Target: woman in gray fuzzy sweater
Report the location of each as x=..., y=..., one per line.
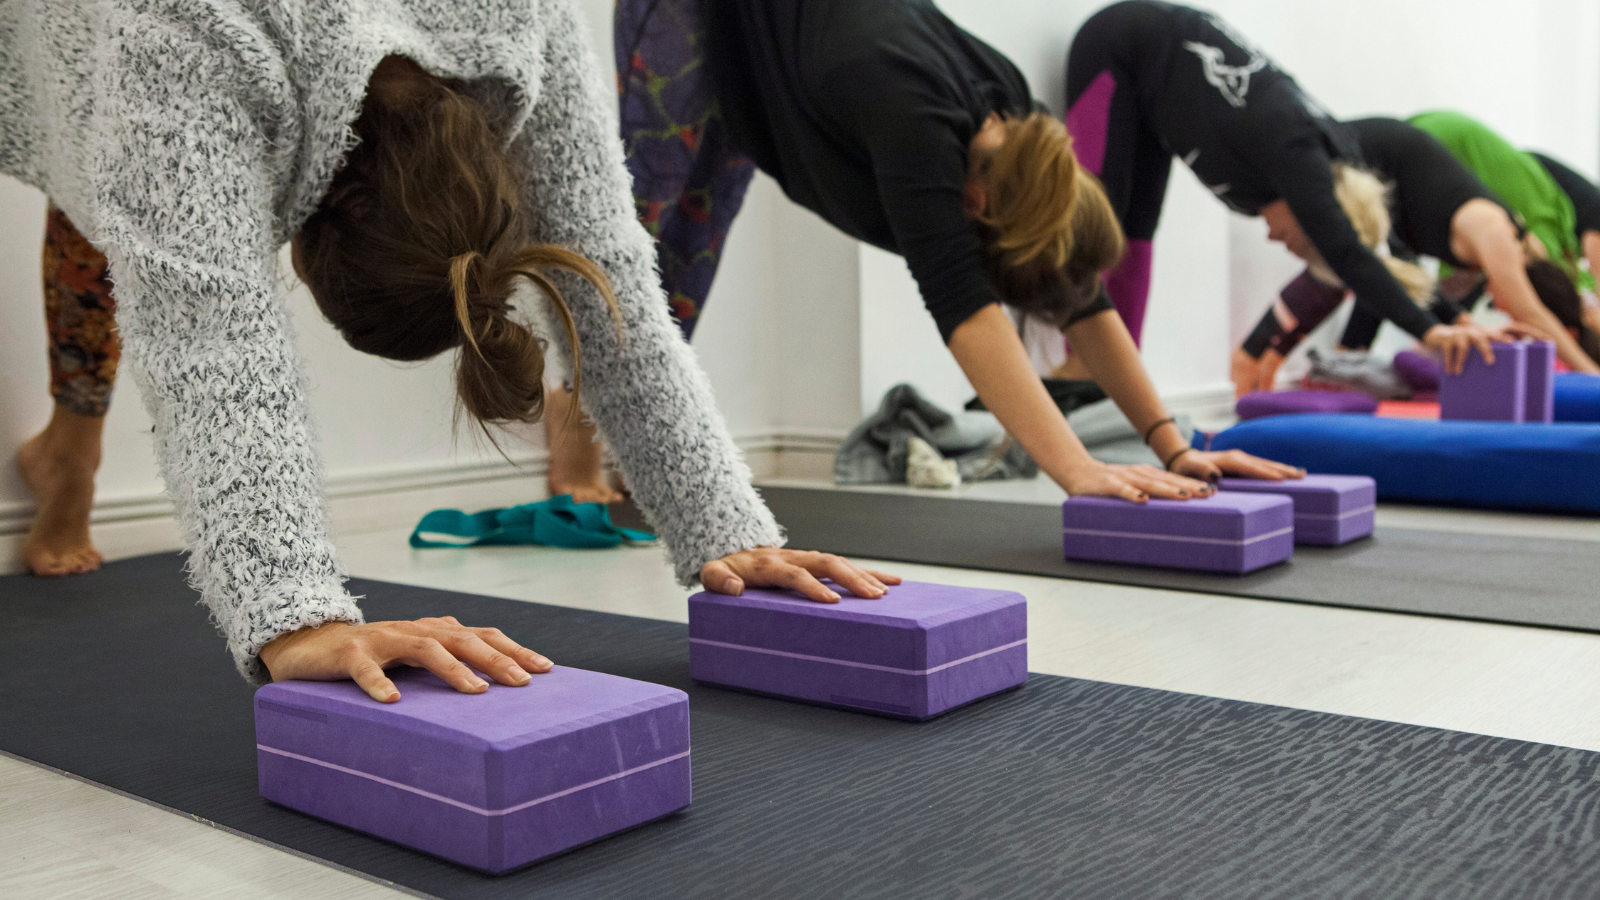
x=422, y=158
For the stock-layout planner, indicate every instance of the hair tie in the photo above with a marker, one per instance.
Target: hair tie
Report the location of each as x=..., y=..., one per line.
x=1152, y=429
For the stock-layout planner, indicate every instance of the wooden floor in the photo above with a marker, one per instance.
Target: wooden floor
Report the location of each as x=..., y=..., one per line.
x=60, y=838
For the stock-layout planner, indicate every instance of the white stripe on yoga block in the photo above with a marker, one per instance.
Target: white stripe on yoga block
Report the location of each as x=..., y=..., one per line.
x=1325, y=517
x=467, y=806
x=857, y=665
x=1187, y=540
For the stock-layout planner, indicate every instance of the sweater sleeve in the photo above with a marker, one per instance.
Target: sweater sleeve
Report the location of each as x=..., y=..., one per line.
x=641, y=383
x=184, y=210
x=1304, y=178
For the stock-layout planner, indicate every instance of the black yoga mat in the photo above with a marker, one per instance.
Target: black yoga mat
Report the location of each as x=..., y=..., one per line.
x=1491, y=578
x=1065, y=788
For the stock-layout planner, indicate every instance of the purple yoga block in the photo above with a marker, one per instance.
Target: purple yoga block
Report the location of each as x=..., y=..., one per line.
x=494, y=780
x=1226, y=532
x=920, y=650
x=1485, y=393
x=1541, y=403
x=1329, y=510
x=1259, y=404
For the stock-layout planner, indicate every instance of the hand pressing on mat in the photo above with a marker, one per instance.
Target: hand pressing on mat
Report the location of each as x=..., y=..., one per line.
x=1212, y=466
x=443, y=646
x=797, y=570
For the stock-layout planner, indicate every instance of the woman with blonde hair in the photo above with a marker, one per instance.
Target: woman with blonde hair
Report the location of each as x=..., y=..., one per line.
x=1148, y=81
x=1438, y=209
x=902, y=130
x=422, y=162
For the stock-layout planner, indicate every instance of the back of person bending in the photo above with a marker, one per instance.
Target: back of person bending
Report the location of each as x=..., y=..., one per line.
x=904, y=131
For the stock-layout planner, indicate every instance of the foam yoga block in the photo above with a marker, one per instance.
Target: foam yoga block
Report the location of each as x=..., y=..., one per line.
x=494, y=780
x=1226, y=532
x=920, y=650
x=1258, y=404
x=1488, y=393
x=1329, y=510
x=1420, y=373
x=1540, y=405
x=1497, y=465
x=1577, y=397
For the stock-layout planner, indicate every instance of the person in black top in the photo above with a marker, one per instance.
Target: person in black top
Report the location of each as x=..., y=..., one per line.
x=1438, y=208
x=902, y=130
x=1147, y=81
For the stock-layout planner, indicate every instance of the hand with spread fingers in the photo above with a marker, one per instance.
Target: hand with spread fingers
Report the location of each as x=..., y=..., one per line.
x=1136, y=483
x=1212, y=466
x=1453, y=343
x=796, y=570
x=443, y=646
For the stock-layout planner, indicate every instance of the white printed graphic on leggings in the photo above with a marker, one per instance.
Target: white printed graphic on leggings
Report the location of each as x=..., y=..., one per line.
x=1232, y=81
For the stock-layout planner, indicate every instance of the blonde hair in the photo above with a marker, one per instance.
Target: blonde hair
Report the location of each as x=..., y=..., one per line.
x=1048, y=230
x=1365, y=201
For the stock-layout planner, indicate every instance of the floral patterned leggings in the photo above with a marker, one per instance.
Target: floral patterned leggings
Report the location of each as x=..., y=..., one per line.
x=688, y=179
x=80, y=318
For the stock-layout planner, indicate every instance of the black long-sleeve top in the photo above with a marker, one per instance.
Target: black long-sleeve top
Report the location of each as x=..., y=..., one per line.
x=1251, y=135
x=1581, y=191
x=864, y=111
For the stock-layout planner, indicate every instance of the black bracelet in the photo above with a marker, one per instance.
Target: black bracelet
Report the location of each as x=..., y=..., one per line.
x=1174, y=458
x=1152, y=429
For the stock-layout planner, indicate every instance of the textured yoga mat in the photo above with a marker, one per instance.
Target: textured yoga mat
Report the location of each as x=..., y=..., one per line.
x=1494, y=578
x=1065, y=788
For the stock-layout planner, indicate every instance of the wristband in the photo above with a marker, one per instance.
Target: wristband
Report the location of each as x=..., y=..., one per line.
x=1152, y=429
x=1174, y=458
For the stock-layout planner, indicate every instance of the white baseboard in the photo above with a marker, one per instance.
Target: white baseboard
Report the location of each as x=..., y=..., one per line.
x=377, y=501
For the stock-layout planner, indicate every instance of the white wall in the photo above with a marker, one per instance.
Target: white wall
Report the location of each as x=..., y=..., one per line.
x=806, y=328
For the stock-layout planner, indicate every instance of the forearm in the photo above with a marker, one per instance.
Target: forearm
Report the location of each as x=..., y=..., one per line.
x=1515, y=296
x=988, y=350
x=1107, y=349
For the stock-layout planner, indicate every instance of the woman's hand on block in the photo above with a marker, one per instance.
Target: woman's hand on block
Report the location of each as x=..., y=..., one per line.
x=1453, y=343
x=443, y=646
x=796, y=570
x=1212, y=466
x=1136, y=483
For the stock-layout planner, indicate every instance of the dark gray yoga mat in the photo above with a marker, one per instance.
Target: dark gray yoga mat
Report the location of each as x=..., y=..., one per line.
x=1065, y=788
x=1491, y=578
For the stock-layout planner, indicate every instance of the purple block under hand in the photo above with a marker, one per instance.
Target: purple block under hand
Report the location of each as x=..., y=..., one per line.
x=1420, y=373
x=1541, y=403
x=1259, y=404
x=494, y=780
x=1226, y=532
x=1329, y=510
x=1485, y=393
x=920, y=650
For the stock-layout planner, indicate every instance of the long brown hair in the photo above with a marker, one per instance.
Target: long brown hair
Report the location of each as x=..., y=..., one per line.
x=1049, y=230
x=419, y=242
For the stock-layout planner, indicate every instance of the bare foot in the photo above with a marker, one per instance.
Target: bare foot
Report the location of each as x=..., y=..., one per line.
x=597, y=491
x=63, y=485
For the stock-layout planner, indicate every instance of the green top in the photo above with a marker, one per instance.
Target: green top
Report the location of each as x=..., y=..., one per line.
x=1517, y=178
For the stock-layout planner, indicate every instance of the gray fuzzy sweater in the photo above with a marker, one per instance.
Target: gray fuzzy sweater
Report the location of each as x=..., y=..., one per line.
x=189, y=139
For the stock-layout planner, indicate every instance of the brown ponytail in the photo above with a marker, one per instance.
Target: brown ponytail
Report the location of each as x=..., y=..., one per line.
x=419, y=243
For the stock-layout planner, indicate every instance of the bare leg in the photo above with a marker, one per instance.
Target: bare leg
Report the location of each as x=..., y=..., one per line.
x=1072, y=370
x=574, y=453
x=58, y=465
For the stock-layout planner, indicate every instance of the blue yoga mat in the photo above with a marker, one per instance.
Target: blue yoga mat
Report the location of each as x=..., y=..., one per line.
x=1494, y=465
x=1577, y=397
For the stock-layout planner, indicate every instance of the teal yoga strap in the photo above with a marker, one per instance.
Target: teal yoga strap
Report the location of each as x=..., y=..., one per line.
x=557, y=522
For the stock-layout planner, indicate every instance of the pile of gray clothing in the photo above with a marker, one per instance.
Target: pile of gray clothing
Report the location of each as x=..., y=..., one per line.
x=911, y=441
x=1355, y=370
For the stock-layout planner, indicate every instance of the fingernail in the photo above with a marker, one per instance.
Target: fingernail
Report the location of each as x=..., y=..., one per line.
x=542, y=664
x=1183, y=493
x=832, y=596
x=518, y=676
x=394, y=696
x=481, y=685
x=1213, y=478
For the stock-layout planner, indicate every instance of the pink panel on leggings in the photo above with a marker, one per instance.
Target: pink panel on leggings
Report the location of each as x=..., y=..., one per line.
x=1128, y=285
x=1089, y=119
